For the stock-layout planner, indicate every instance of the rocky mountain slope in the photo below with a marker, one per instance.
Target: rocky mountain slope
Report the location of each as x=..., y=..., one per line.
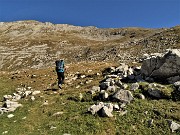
x=137, y=99
x=32, y=44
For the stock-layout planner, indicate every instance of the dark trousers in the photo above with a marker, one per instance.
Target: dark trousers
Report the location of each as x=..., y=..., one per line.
x=60, y=77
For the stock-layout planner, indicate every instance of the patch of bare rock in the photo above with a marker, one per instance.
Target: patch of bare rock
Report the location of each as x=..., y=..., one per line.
x=11, y=102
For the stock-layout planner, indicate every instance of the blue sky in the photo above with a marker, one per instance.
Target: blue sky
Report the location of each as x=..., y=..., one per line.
x=99, y=13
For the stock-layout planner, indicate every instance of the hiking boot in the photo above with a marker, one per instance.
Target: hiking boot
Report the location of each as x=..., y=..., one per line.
x=60, y=86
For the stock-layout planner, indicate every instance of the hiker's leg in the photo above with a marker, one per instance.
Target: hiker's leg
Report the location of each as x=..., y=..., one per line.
x=59, y=78
x=62, y=77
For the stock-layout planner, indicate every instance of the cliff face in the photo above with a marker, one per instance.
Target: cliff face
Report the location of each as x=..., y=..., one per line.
x=32, y=44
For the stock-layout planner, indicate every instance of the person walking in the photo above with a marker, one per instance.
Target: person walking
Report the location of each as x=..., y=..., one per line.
x=60, y=72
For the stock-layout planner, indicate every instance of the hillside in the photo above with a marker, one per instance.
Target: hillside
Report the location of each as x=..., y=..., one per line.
x=32, y=44
x=100, y=65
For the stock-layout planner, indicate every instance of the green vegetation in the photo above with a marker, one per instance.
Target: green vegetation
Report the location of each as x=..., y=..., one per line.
x=34, y=118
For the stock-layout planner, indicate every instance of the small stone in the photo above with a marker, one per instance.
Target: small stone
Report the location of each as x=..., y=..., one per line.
x=104, y=85
x=32, y=98
x=33, y=76
x=177, y=84
x=52, y=127
x=105, y=112
x=173, y=125
x=80, y=96
x=116, y=107
x=146, y=112
x=83, y=76
x=123, y=105
x=45, y=102
x=7, y=97
x=1, y=112
x=95, y=89
x=140, y=96
x=27, y=93
x=24, y=118
x=28, y=88
x=16, y=97
x=134, y=86
x=118, y=83
x=57, y=113
x=10, y=115
x=36, y=92
x=78, y=86
x=5, y=132
x=104, y=95
x=150, y=122
x=111, y=88
x=11, y=105
x=89, y=71
x=112, y=76
x=88, y=81
x=95, y=108
x=123, y=96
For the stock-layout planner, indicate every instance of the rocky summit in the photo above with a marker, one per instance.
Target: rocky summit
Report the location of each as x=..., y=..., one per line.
x=117, y=80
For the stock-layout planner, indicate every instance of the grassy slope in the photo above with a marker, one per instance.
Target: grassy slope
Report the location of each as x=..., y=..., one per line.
x=75, y=120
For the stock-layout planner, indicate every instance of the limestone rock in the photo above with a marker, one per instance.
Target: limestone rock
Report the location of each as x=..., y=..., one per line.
x=32, y=98
x=150, y=122
x=118, y=83
x=104, y=85
x=177, y=84
x=11, y=105
x=103, y=95
x=134, y=86
x=95, y=89
x=161, y=66
x=140, y=96
x=173, y=125
x=173, y=79
x=95, y=108
x=16, y=97
x=5, y=132
x=27, y=93
x=111, y=88
x=123, y=96
x=105, y=112
x=36, y=92
x=10, y=115
x=155, y=93
x=57, y=113
x=7, y=97
x=109, y=106
x=116, y=107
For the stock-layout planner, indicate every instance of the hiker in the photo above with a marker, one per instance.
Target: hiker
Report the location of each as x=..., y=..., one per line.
x=60, y=72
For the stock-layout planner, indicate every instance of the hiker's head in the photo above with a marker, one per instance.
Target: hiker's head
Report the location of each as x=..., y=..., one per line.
x=61, y=60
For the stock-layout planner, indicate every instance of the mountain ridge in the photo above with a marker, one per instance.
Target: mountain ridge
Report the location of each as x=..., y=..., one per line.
x=33, y=44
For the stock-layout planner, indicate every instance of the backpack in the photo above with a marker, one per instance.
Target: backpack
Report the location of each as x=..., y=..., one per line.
x=60, y=65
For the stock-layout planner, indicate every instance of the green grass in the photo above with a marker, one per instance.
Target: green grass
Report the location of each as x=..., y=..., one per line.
x=6, y=86
x=76, y=121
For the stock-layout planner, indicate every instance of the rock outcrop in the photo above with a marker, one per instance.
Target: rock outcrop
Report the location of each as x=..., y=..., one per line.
x=162, y=66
